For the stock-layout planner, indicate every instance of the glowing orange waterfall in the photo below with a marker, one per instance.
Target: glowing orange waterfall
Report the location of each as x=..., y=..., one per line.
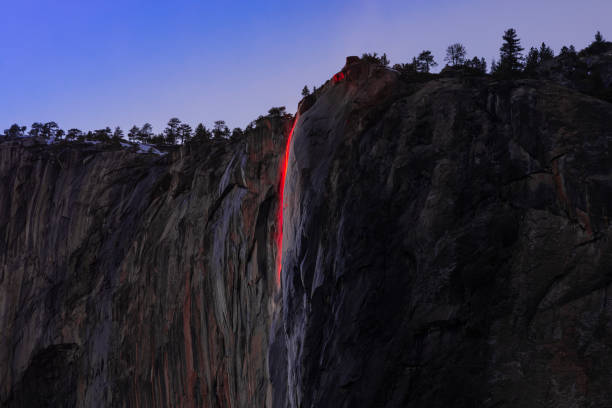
x=281, y=191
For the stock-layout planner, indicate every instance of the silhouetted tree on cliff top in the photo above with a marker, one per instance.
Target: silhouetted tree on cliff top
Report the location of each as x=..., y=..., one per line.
x=384, y=60
x=133, y=134
x=220, y=130
x=118, y=134
x=171, y=131
x=373, y=57
x=599, y=45
x=409, y=68
x=568, y=51
x=184, y=132
x=201, y=133
x=103, y=135
x=237, y=133
x=536, y=57
x=146, y=133
x=455, y=54
x=479, y=65
x=510, y=55
x=35, y=129
x=74, y=134
x=277, y=111
x=546, y=53
x=425, y=61
x=15, y=131
x=532, y=60
x=47, y=130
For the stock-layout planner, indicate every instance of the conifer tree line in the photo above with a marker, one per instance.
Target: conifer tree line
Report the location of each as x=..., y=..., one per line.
x=511, y=63
x=176, y=132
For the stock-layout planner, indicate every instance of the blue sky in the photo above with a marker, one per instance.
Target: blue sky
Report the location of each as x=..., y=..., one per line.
x=90, y=64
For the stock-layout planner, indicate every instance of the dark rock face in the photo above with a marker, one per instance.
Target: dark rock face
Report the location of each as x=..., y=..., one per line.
x=50, y=379
x=131, y=280
x=445, y=243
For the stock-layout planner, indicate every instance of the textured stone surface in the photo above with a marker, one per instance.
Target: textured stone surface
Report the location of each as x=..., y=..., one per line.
x=445, y=244
x=148, y=279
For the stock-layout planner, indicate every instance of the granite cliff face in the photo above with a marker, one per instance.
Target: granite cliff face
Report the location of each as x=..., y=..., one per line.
x=445, y=243
x=131, y=280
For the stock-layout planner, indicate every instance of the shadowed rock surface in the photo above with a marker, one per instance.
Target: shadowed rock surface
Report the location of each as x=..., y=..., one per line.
x=445, y=244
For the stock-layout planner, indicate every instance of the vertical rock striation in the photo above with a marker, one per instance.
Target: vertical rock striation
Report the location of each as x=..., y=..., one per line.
x=148, y=280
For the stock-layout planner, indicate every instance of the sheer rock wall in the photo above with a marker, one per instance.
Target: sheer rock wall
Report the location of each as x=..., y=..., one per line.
x=138, y=280
x=445, y=243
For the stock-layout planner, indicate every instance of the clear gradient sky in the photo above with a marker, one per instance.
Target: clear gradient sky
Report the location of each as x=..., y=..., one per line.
x=90, y=64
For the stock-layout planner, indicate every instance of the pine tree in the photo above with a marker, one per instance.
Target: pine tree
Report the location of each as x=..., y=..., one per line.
x=546, y=53
x=133, y=134
x=171, y=131
x=483, y=65
x=510, y=54
x=384, y=61
x=425, y=61
x=237, y=133
x=406, y=68
x=565, y=51
x=277, y=111
x=305, y=91
x=478, y=64
x=102, y=134
x=146, y=133
x=597, y=46
x=184, y=132
x=220, y=130
x=15, y=131
x=48, y=130
x=374, y=58
x=532, y=61
x=118, y=134
x=494, y=66
x=74, y=134
x=201, y=133
x=36, y=129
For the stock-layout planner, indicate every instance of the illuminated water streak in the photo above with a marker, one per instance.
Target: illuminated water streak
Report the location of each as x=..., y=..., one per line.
x=281, y=192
